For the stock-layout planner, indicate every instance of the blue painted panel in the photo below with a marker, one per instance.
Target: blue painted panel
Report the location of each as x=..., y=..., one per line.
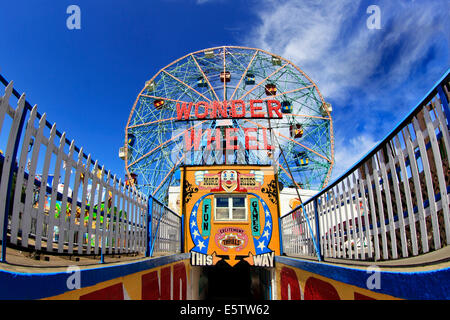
x=422, y=285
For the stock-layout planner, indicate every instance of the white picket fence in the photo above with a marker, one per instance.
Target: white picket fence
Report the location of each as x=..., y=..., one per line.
x=54, y=198
x=393, y=203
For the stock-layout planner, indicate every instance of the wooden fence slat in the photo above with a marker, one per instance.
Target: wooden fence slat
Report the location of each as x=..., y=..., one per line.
x=325, y=232
x=409, y=203
x=30, y=188
x=357, y=207
x=344, y=225
x=417, y=189
x=42, y=216
x=74, y=206
x=8, y=161
x=20, y=179
x=428, y=183
x=387, y=193
x=55, y=183
x=98, y=220
x=117, y=221
x=62, y=221
x=376, y=180
x=4, y=103
x=366, y=217
x=82, y=228
x=338, y=223
x=106, y=216
x=353, y=218
x=112, y=215
x=398, y=201
x=92, y=192
x=331, y=223
x=373, y=214
x=132, y=221
x=443, y=128
x=123, y=220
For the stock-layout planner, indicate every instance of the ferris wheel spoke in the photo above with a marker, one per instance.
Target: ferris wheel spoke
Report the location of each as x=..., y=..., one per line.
x=168, y=174
x=287, y=92
x=186, y=85
x=150, y=123
x=224, y=69
x=264, y=80
x=233, y=57
x=308, y=116
x=243, y=74
x=164, y=143
x=162, y=98
x=205, y=77
x=289, y=175
x=287, y=138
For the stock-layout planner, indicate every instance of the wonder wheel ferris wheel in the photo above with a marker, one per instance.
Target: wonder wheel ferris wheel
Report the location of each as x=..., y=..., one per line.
x=261, y=104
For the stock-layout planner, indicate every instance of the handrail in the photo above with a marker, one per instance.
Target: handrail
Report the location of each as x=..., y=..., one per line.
x=168, y=224
x=428, y=96
x=392, y=185
x=25, y=221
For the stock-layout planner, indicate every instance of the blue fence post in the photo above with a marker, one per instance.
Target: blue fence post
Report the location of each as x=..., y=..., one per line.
x=10, y=179
x=156, y=231
x=149, y=226
x=316, y=214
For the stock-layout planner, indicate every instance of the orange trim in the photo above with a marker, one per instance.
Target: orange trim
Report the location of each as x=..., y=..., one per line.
x=151, y=122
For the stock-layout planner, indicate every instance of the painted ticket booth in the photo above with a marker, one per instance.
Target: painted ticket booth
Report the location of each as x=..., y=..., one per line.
x=230, y=213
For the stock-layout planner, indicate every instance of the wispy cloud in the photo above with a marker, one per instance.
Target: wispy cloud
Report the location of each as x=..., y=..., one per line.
x=330, y=40
x=348, y=152
x=372, y=77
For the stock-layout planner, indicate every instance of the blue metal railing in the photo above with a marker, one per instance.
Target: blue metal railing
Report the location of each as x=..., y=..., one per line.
x=413, y=155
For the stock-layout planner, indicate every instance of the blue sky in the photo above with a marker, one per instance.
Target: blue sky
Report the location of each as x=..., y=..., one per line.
x=87, y=80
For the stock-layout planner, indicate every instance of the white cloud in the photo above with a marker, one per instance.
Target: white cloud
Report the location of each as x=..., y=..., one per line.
x=373, y=77
x=348, y=152
x=329, y=40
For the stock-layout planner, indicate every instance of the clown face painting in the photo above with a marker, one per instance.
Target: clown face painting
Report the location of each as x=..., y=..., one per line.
x=229, y=180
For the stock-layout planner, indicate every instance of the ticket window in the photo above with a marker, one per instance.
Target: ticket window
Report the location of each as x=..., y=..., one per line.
x=231, y=208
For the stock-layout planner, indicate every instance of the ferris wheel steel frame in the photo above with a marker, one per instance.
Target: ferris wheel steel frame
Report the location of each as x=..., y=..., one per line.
x=157, y=134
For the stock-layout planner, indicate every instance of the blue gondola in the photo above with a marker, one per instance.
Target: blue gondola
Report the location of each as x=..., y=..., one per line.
x=286, y=107
x=131, y=139
x=249, y=78
x=201, y=82
x=301, y=159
